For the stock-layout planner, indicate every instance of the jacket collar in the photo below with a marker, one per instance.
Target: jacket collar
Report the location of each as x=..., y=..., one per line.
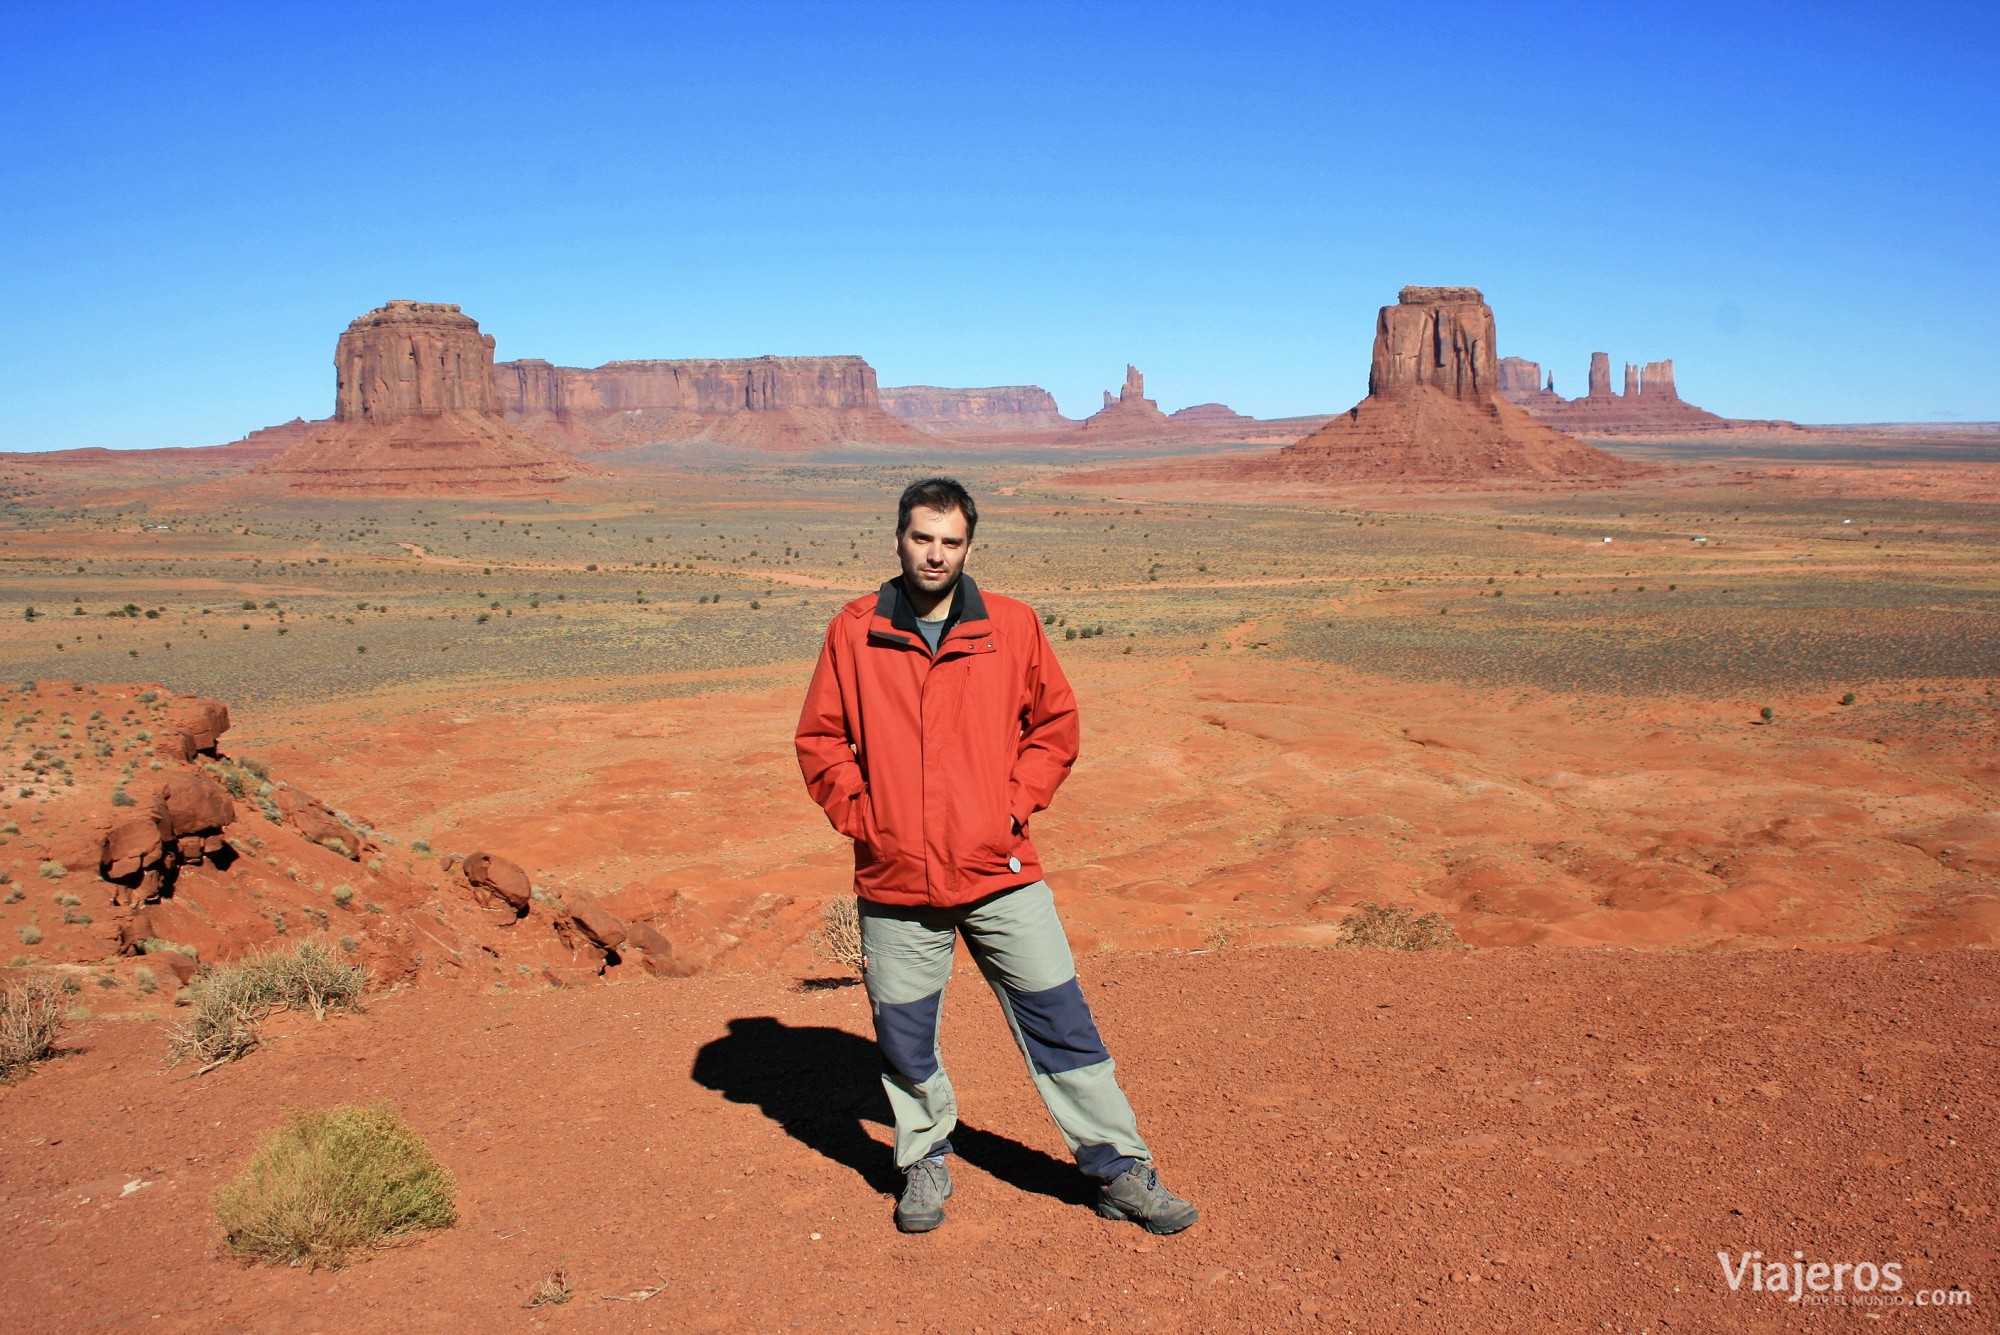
x=895, y=620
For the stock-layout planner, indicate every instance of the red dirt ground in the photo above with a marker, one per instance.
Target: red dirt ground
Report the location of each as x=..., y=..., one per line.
x=1494, y=1140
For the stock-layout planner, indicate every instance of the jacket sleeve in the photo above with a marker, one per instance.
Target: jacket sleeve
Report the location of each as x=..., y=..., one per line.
x=826, y=757
x=1050, y=733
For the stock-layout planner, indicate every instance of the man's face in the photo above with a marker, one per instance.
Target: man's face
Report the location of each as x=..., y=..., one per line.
x=933, y=549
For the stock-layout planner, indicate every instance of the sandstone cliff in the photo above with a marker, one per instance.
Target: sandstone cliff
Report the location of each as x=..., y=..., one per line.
x=952, y=412
x=416, y=411
x=767, y=402
x=1650, y=404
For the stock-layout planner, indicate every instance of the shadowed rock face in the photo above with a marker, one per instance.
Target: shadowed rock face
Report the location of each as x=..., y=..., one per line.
x=412, y=358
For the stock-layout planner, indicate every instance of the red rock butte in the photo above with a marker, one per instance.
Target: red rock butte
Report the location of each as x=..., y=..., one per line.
x=416, y=411
x=1649, y=405
x=1130, y=414
x=785, y=403
x=1433, y=412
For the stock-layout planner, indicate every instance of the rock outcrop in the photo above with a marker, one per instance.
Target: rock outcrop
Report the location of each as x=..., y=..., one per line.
x=1130, y=414
x=416, y=411
x=959, y=412
x=785, y=403
x=1208, y=414
x=1649, y=405
x=1433, y=411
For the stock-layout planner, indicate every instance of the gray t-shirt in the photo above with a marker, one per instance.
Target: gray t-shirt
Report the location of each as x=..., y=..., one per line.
x=933, y=632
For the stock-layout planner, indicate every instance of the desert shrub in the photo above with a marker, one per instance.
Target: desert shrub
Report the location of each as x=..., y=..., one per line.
x=553, y=1289
x=54, y=870
x=330, y=1183
x=334, y=843
x=342, y=894
x=838, y=937
x=1395, y=927
x=30, y=934
x=31, y=1015
x=420, y=846
x=230, y=1000
x=121, y=798
x=144, y=979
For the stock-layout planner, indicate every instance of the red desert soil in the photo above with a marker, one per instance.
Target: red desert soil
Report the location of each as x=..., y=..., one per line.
x=1493, y=1140
x=1231, y=799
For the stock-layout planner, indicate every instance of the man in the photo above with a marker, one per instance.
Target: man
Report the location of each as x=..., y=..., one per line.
x=936, y=725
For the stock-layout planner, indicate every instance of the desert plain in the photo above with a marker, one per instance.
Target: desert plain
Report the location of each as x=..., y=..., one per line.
x=1699, y=765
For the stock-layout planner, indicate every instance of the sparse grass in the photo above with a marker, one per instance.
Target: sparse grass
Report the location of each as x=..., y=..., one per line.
x=838, y=937
x=31, y=1016
x=54, y=870
x=1396, y=927
x=552, y=1289
x=330, y=1183
x=230, y=1000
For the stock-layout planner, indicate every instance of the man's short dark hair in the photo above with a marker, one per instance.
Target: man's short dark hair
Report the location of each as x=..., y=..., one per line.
x=941, y=494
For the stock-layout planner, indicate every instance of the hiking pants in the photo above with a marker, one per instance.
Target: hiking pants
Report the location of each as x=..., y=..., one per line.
x=1018, y=943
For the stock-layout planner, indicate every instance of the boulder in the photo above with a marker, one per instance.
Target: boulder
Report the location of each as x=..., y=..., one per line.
x=500, y=878
x=596, y=922
x=202, y=721
x=197, y=804
x=180, y=966
x=653, y=953
x=132, y=845
x=134, y=932
x=316, y=821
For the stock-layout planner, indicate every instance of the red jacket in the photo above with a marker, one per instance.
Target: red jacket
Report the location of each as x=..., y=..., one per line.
x=933, y=766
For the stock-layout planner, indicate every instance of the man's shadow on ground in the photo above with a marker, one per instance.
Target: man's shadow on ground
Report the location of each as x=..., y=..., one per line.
x=822, y=1084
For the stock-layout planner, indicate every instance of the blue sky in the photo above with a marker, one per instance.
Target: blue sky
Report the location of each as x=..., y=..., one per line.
x=1798, y=203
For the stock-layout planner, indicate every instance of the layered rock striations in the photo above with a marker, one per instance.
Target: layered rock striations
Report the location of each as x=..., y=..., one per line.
x=1649, y=405
x=767, y=402
x=1434, y=412
x=416, y=410
x=958, y=412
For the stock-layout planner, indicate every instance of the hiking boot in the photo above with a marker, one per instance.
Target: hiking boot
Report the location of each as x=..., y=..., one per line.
x=1138, y=1196
x=926, y=1184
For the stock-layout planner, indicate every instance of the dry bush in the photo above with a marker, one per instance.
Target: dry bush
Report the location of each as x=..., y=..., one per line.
x=31, y=1015
x=552, y=1289
x=330, y=1183
x=1396, y=927
x=838, y=937
x=230, y=1000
